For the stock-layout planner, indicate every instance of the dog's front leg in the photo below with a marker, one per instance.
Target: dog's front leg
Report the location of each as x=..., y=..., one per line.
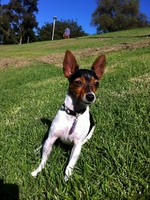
x=47, y=148
x=73, y=159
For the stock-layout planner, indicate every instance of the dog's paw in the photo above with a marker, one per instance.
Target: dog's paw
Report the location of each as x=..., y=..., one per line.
x=34, y=174
x=68, y=173
x=66, y=178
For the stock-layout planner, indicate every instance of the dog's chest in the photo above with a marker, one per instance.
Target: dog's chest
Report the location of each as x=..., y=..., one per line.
x=71, y=129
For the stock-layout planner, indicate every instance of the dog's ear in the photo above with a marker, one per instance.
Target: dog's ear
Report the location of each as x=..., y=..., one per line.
x=99, y=66
x=69, y=64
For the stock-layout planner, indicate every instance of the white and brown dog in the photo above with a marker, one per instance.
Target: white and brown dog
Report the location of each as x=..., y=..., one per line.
x=73, y=123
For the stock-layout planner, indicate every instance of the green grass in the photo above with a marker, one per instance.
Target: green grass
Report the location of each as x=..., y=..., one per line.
x=115, y=163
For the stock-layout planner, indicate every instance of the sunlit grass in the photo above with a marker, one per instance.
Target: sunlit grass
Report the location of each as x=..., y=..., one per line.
x=114, y=164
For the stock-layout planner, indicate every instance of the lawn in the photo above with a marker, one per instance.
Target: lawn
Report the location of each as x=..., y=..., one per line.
x=115, y=163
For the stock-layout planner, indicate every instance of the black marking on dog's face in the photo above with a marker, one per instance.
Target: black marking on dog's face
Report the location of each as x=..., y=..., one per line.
x=83, y=72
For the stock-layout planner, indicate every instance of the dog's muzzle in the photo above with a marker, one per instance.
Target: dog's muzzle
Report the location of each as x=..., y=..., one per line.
x=89, y=98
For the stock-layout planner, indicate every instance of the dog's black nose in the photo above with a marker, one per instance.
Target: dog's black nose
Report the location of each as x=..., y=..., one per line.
x=90, y=97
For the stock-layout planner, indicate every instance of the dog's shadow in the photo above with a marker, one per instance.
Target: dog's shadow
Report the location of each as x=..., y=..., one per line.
x=48, y=123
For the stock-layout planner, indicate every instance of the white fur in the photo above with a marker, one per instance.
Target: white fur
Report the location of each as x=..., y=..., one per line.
x=60, y=129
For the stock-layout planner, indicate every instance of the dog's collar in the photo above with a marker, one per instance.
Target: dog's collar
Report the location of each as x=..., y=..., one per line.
x=72, y=112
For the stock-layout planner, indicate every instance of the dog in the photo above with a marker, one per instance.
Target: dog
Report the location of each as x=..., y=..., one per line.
x=73, y=123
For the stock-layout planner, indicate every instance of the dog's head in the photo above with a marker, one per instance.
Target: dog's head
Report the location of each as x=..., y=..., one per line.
x=83, y=83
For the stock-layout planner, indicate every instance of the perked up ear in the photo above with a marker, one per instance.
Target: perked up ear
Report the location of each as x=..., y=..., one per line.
x=69, y=64
x=99, y=66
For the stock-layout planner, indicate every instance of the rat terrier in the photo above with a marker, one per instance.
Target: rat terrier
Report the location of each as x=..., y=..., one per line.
x=73, y=123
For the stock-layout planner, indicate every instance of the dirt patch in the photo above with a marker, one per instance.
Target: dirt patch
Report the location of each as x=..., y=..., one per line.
x=143, y=78
x=14, y=62
x=123, y=46
x=56, y=58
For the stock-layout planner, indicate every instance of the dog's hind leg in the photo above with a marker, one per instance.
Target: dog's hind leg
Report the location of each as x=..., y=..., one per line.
x=47, y=148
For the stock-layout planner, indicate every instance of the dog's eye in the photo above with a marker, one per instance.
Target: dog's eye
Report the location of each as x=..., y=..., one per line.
x=96, y=84
x=78, y=83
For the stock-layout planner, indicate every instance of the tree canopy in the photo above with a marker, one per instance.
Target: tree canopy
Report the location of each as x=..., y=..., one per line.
x=18, y=19
x=114, y=15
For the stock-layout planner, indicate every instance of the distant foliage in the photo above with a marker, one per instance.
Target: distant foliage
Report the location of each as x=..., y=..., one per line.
x=18, y=24
x=45, y=32
x=115, y=15
x=18, y=21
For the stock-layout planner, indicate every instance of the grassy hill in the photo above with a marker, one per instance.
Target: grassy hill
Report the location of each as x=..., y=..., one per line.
x=115, y=163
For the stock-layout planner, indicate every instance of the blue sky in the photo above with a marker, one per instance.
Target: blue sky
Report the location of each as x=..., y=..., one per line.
x=78, y=10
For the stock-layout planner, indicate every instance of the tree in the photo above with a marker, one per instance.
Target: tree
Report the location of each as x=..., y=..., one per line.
x=19, y=19
x=45, y=32
x=6, y=31
x=114, y=15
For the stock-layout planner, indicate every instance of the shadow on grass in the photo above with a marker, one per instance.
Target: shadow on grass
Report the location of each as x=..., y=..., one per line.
x=48, y=123
x=9, y=191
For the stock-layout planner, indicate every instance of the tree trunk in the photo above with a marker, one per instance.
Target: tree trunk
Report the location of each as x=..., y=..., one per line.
x=20, y=42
